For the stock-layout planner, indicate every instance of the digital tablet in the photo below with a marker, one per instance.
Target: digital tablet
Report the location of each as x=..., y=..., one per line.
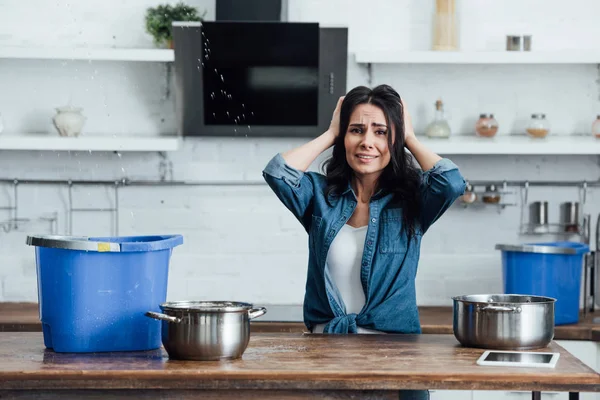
x=518, y=359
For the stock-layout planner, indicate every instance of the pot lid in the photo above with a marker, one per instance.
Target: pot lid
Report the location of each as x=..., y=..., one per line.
x=206, y=306
x=504, y=299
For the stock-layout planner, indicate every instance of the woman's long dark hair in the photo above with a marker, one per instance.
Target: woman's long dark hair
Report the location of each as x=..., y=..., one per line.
x=400, y=177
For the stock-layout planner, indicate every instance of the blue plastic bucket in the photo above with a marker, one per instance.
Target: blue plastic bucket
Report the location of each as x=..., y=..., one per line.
x=93, y=292
x=551, y=269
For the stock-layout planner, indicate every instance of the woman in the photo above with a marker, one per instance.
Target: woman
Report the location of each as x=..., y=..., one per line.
x=366, y=216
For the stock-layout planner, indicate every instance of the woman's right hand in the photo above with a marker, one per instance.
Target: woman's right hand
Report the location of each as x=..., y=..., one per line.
x=334, y=126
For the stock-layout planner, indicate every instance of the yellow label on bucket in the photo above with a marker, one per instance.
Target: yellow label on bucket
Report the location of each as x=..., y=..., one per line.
x=103, y=246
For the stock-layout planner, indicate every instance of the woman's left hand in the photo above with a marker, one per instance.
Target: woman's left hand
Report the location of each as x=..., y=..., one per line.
x=425, y=157
x=409, y=132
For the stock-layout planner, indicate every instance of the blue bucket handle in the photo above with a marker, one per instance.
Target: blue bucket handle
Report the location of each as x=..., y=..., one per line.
x=107, y=244
x=143, y=243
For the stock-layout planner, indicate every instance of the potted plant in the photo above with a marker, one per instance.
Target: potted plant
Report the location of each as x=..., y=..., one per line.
x=160, y=18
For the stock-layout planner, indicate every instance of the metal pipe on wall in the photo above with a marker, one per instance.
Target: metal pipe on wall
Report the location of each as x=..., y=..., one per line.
x=133, y=182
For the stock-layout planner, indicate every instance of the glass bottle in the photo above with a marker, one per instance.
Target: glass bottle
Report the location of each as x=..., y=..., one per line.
x=596, y=127
x=439, y=127
x=538, y=126
x=486, y=126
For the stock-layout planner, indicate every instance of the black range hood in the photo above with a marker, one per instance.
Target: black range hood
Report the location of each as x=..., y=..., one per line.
x=258, y=78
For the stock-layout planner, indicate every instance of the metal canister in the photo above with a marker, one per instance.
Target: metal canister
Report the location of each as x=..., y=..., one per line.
x=513, y=43
x=570, y=216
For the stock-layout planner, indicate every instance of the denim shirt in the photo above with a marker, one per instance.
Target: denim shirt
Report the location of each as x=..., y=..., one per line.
x=389, y=261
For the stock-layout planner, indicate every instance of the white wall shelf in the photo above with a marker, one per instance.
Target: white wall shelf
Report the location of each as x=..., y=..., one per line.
x=89, y=143
x=484, y=57
x=87, y=54
x=515, y=145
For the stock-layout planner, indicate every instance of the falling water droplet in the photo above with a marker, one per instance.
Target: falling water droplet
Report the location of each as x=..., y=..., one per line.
x=214, y=115
x=122, y=169
x=243, y=106
x=198, y=68
x=249, y=129
x=251, y=113
x=202, y=65
x=216, y=71
x=244, y=116
x=206, y=56
x=229, y=96
x=212, y=95
x=222, y=79
x=234, y=130
x=228, y=114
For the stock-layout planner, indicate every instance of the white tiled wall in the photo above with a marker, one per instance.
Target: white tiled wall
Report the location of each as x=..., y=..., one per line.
x=240, y=241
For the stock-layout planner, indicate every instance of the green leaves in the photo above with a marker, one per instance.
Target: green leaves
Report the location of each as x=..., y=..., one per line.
x=160, y=18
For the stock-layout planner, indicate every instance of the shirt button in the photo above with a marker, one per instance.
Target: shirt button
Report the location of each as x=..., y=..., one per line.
x=373, y=220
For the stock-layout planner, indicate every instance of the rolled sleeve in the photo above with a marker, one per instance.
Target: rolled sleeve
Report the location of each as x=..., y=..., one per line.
x=293, y=187
x=440, y=187
x=278, y=169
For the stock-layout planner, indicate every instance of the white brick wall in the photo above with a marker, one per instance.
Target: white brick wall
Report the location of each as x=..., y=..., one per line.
x=240, y=241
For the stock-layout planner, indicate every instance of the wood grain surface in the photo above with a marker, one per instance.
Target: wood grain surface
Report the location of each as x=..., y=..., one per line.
x=280, y=361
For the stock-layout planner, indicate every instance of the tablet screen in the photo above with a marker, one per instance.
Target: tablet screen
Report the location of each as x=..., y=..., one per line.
x=537, y=358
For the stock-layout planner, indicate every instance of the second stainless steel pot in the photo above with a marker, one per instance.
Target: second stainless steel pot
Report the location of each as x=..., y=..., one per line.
x=206, y=330
x=504, y=321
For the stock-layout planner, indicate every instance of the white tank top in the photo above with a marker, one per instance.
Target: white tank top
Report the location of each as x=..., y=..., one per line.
x=344, y=261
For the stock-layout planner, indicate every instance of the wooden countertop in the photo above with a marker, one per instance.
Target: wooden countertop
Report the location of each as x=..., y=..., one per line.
x=280, y=361
x=24, y=317
x=438, y=320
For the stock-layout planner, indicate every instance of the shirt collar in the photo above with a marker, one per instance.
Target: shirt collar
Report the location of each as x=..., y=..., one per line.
x=380, y=193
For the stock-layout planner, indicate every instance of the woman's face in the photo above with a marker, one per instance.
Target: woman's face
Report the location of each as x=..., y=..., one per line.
x=366, y=140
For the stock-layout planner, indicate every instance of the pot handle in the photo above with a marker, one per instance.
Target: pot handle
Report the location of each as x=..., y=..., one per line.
x=501, y=308
x=256, y=312
x=163, y=317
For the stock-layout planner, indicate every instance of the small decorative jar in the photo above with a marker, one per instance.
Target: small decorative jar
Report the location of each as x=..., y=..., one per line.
x=538, y=126
x=492, y=195
x=486, y=126
x=69, y=121
x=469, y=196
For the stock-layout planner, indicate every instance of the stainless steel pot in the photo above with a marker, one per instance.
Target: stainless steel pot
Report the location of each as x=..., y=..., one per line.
x=504, y=321
x=206, y=330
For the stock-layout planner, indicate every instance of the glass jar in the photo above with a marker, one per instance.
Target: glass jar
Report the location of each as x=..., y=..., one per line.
x=469, y=196
x=596, y=127
x=486, y=126
x=491, y=196
x=538, y=126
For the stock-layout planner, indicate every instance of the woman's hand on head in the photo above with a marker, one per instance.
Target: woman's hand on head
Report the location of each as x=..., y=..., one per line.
x=334, y=126
x=409, y=132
